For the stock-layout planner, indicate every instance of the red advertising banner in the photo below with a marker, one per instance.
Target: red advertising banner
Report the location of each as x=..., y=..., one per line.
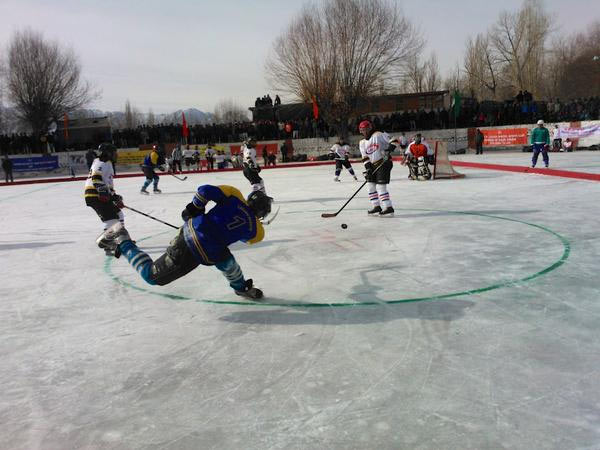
x=505, y=136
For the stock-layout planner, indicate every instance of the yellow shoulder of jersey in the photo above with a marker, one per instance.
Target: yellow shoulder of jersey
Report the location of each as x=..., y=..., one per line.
x=230, y=190
x=260, y=230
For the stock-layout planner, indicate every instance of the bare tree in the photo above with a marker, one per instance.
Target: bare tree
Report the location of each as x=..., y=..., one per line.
x=132, y=115
x=481, y=66
x=44, y=80
x=432, y=78
x=228, y=111
x=414, y=75
x=340, y=52
x=578, y=64
x=519, y=39
x=150, y=119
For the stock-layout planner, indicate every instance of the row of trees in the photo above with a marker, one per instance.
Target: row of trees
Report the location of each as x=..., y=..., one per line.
x=43, y=82
x=341, y=51
x=521, y=51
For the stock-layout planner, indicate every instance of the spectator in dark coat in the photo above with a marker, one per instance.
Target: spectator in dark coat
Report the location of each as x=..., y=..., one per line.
x=7, y=166
x=479, y=138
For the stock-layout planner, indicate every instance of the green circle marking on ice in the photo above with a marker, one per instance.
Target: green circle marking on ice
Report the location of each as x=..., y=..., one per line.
x=566, y=251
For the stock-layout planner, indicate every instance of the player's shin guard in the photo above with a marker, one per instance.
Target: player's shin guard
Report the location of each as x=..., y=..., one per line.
x=139, y=260
x=121, y=217
x=146, y=184
x=233, y=272
x=384, y=196
x=109, y=223
x=373, y=195
x=337, y=172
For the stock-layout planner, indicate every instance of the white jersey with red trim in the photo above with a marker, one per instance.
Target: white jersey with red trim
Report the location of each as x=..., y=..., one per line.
x=374, y=148
x=340, y=150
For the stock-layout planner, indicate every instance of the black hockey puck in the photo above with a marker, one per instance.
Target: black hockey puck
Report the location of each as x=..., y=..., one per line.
x=344, y=226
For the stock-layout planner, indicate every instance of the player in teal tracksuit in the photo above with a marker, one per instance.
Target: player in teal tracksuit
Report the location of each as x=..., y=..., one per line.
x=540, y=141
x=203, y=239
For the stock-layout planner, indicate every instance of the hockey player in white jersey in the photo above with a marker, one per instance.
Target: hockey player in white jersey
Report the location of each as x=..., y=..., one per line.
x=251, y=168
x=99, y=190
x=375, y=150
x=340, y=151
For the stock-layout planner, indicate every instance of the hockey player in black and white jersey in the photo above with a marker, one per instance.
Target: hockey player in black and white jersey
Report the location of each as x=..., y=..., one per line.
x=375, y=149
x=99, y=190
x=251, y=168
x=340, y=151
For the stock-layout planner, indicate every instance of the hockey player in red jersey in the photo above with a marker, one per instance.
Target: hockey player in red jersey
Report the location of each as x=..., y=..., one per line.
x=375, y=149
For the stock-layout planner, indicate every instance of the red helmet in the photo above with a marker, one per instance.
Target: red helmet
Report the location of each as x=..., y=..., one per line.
x=365, y=124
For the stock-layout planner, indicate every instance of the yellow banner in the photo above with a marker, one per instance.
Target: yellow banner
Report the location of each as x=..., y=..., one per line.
x=136, y=157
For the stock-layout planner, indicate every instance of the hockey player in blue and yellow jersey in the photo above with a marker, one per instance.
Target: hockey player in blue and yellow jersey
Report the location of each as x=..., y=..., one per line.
x=203, y=239
x=154, y=159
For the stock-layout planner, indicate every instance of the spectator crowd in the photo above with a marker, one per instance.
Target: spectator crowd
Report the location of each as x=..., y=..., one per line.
x=521, y=110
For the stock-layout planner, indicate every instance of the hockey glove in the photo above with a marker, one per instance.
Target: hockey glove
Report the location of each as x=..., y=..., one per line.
x=190, y=211
x=103, y=193
x=117, y=200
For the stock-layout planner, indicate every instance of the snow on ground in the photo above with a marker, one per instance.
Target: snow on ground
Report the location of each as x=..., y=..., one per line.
x=469, y=320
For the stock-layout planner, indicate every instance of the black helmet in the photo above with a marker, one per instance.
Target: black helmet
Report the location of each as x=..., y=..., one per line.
x=260, y=203
x=106, y=151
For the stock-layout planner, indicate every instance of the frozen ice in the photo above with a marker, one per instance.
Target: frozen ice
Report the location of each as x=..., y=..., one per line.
x=468, y=320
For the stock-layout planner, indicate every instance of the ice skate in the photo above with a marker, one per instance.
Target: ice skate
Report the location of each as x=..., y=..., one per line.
x=157, y=191
x=111, y=238
x=249, y=291
x=336, y=179
x=387, y=212
x=144, y=191
x=374, y=210
x=355, y=179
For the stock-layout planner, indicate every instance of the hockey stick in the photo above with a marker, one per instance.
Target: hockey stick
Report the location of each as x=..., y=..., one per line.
x=327, y=215
x=149, y=216
x=272, y=218
x=180, y=179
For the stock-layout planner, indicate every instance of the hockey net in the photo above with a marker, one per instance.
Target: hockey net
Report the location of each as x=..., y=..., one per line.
x=443, y=168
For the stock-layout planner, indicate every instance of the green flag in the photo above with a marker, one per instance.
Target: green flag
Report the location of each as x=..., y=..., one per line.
x=456, y=104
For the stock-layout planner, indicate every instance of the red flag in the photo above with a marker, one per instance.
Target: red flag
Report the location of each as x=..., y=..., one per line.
x=315, y=108
x=66, y=127
x=186, y=130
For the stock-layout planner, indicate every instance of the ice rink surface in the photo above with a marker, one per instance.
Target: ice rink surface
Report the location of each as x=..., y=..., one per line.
x=470, y=320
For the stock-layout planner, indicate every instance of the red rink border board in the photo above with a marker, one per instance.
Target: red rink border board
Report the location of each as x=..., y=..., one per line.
x=521, y=169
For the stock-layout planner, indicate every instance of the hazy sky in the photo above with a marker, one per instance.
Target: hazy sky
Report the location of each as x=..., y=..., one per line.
x=167, y=55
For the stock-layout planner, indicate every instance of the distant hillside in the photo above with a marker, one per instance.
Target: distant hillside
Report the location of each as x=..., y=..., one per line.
x=10, y=124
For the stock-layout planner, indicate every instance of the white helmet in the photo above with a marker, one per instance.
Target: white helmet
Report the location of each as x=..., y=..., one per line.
x=540, y=122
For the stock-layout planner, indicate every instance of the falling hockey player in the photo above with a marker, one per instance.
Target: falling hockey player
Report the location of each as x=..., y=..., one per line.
x=375, y=149
x=341, y=152
x=416, y=157
x=99, y=190
x=154, y=159
x=203, y=239
x=251, y=168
